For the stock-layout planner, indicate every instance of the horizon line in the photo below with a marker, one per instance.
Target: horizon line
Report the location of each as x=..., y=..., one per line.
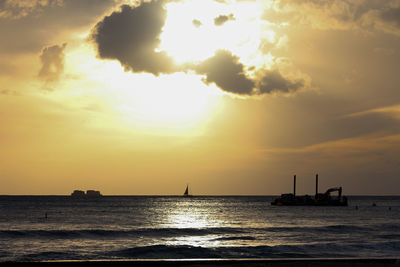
x=200, y=195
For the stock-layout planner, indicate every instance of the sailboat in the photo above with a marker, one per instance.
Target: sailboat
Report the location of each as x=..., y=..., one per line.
x=186, y=194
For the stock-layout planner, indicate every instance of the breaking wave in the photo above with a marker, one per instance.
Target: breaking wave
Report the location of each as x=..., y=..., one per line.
x=171, y=232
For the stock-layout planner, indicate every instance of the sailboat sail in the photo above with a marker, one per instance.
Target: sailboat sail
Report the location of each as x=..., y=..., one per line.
x=186, y=194
x=186, y=191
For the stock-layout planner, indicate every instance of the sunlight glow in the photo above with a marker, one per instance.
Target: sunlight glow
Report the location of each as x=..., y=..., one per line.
x=178, y=103
x=186, y=42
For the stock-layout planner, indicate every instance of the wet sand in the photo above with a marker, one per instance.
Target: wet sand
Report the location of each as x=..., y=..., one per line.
x=224, y=262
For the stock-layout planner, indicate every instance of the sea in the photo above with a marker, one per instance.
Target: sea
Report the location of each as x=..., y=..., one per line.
x=47, y=228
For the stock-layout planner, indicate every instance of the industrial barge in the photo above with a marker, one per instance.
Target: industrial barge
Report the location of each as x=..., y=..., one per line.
x=320, y=199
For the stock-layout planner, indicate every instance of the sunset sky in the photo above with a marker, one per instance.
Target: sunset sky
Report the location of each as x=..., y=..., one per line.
x=232, y=97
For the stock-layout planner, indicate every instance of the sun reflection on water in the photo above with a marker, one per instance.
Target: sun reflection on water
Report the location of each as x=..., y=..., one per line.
x=191, y=214
x=205, y=222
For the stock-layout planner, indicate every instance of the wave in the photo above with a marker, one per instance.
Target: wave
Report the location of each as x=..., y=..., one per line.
x=187, y=252
x=390, y=226
x=329, y=228
x=231, y=238
x=389, y=236
x=327, y=250
x=93, y=233
x=232, y=232
x=281, y=251
x=49, y=255
x=162, y=251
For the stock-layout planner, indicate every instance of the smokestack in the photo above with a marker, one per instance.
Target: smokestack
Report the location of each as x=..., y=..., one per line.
x=294, y=185
x=316, y=186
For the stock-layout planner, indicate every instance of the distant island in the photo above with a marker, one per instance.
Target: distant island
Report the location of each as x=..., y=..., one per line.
x=88, y=194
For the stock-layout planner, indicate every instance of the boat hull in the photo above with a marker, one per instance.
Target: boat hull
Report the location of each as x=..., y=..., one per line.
x=302, y=201
x=308, y=204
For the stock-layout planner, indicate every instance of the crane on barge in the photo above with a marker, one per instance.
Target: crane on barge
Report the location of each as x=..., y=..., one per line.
x=320, y=199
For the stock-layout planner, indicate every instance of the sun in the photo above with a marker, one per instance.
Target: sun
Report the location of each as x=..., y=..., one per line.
x=191, y=35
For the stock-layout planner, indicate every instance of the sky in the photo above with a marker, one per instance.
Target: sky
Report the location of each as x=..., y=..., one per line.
x=232, y=97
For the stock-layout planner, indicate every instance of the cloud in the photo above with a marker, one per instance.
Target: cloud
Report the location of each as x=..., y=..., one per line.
x=132, y=36
x=273, y=81
x=390, y=111
x=339, y=14
x=52, y=59
x=29, y=25
x=221, y=19
x=15, y=9
x=225, y=70
x=197, y=23
x=392, y=15
x=8, y=92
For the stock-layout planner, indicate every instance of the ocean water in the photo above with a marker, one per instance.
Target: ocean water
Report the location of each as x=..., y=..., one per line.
x=146, y=227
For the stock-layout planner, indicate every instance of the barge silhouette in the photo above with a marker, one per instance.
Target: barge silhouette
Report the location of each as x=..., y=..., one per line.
x=320, y=199
x=88, y=194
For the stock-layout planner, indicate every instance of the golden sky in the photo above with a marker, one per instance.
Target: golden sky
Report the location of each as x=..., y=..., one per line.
x=232, y=97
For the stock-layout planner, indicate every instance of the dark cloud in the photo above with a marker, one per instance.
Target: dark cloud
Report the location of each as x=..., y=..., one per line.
x=221, y=19
x=197, y=23
x=273, y=81
x=52, y=59
x=131, y=36
x=392, y=15
x=225, y=70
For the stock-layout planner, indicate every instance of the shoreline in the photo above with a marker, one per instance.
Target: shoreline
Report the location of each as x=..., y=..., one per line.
x=226, y=262
x=180, y=195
